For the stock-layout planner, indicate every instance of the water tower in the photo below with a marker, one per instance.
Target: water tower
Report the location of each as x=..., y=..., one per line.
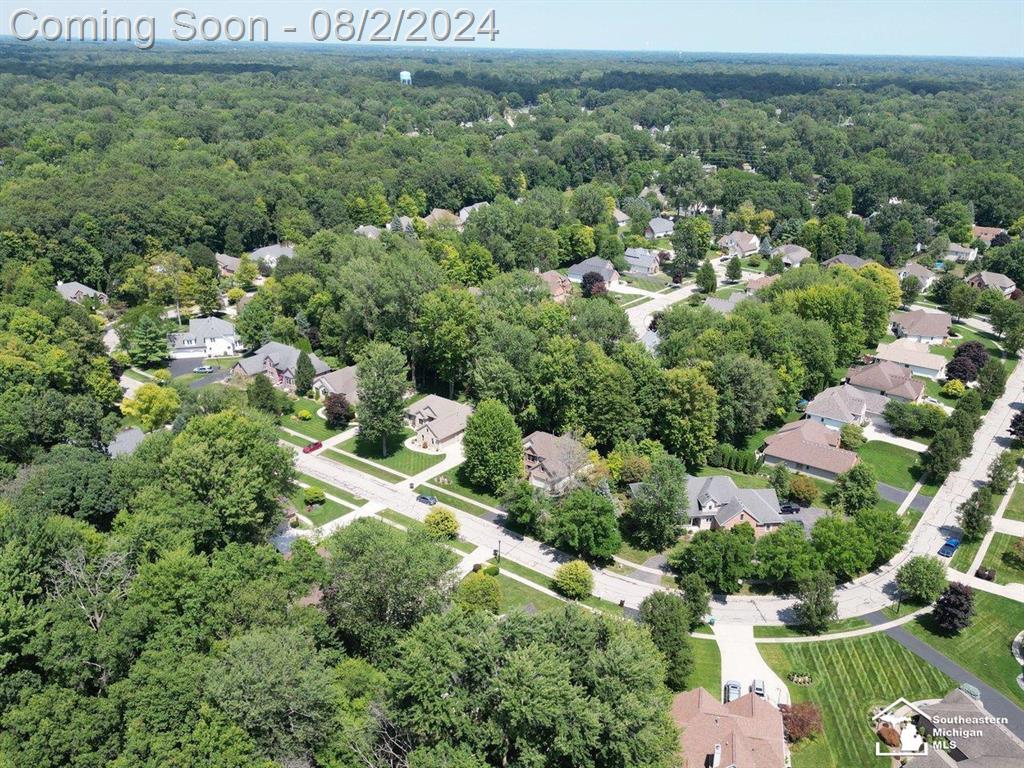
x=405, y=77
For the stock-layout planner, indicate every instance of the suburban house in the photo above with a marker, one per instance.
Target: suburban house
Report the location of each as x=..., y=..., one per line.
x=206, y=337
x=437, y=421
x=992, y=280
x=559, y=285
x=340, y=382
x=551, y=461
x=847, y=259
x=921, y=326
x=793, y=255
x=716, y=502
x=986, y=234
x=745, y=733
x=441, y=216
x=125, y=442
x=913, y=355
x=603, y=267
x=739, y=243
x=401, y=224
x=886, y=379
x=810, y=447
x=990, y=745
x=278, y=361
x=727, y=305
x=269, y=254
x=755, y=285
x=657, y=194
x=924, y=275
x=845, y=404
x=658, y=227
x=641, y=261
x=228, y=265
x=77, y=292
x=621, y=219
x=464, y=213
x=961, y=253
x=368, y=231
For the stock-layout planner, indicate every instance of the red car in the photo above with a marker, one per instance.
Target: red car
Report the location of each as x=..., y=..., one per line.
x=312, y=447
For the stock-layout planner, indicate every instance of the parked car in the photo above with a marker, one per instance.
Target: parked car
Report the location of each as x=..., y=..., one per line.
x=947, y=549
x=732, y=691
x=757, y=688
x=789, y=509
x=312, y=447
x=971, y=691
x=203, y=369
x=988, y=574
x=428, y=500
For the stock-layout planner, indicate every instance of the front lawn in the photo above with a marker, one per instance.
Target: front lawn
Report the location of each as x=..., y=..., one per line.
x=652, y=283
x=288, y=437
x=605, y=606
x=321, y=513
x=849, y=678
x=315, y=428
x=984, y=647
x=362, y=466
x=453, y=481
x=707, y=667
x=1015, y=509
x=452, y=501
x=515, y=594
x=933, y=388
x=964, y=555
x=996, y=558
x=401, y=459
x=894, y=465
x=334, y=490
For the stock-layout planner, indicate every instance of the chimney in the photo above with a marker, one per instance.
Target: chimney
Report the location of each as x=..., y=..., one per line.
x=717, y=759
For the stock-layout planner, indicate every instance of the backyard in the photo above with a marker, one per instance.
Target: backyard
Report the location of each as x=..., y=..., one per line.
x=849, y=679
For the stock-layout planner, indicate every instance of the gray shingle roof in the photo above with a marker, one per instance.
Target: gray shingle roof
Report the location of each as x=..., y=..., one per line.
x=661, y=226
x=200, y=329
x=282, y=356
x=719, y=497
x=603, y=267
x=72, y=287
x=125, y=442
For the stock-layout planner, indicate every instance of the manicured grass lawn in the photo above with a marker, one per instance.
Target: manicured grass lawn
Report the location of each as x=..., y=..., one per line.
x=453, y=481
x=634, y=553
x=541, y=580
x=515, y=594
x=452, y=501
x=843, y=625
x=850, y=677
x=964, y=555
x=321, y=513
x=757, y=439
x=315, y=428
x=401, y=459
x=741, y=480
x=412, y=524
x=293, y=439
x=707, y=667
x=647, y=282
x=1015, y=509
x=362, y=466
x=728, y=290
x=637, y=302
x=984, y=647
x=894, y=465
x=995, y=557
x=222, y=362
x=136, y=376
x=334, y=490
x=933, y=388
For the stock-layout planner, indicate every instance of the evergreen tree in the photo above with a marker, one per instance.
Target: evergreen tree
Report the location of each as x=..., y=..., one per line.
x=706, y=280
x=147, y=344
x=304, y=374
x=261, y=395
x=493, y=446
x=734, y=270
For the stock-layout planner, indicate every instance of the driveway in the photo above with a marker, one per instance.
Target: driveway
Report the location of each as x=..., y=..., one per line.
x=742, y=661
x=898, y=496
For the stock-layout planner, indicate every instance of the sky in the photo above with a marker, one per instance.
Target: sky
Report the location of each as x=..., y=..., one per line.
x=872, y=27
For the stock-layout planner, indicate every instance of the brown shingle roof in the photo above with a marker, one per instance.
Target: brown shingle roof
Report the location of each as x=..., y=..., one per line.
x=748, y=730
x=792, y=444
x=889, y=378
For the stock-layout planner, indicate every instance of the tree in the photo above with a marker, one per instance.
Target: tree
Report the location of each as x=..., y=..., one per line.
x=493, y=446
x=1015, y=554
x=816, y=607
x=273, y=684
x=721, y=557
x=668, y=618
x=207, y=291
x=1002, y=471
x=801, y=721
x=921, y=579
x=525, y=506
x=991, y=381
x=776, y=266
x=954, y=389
x=381, y=583
x=845, y=549
x=944, y=453
x=696, y=596
x=447, y=326
x=854, y=490
x=1017, y=426
x=706, y=280
x=975, y=514
x=479, y=592
x=261, y=395
x=313, y=496
x=584, y=522
x=441, y=524
x=658, y=507
x=852, y=435
x=785, y=555
x=734, y=269
x=691, y=237
x=780, y=480
x=954, y=609
x=153, y=405
x=689, y=416
x=886, y=531
x=747, y=393
x=338, y=412
x=802, y=489
x=910, y=289
x=304, y=373
x=574, y=580
x=592, y=285
x=147, y=342
x=962, y=300
x=256, y=319
x=380, y=386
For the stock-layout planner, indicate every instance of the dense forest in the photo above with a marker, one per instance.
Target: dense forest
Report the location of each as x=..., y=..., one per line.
x=145, y=619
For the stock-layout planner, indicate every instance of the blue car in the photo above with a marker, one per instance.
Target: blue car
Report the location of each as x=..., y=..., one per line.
x=947, y=549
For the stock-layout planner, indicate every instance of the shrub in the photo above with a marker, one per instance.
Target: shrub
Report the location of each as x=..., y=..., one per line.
x=313, y=496
x=338, y=412
x=851, y=436
x=574, y=580
x=492, y=570
x=162, y=376
x=800, y=721
x=303, y=414
x=954, y=388
x=441, y=524
x=802, y=489
x=479, y=592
